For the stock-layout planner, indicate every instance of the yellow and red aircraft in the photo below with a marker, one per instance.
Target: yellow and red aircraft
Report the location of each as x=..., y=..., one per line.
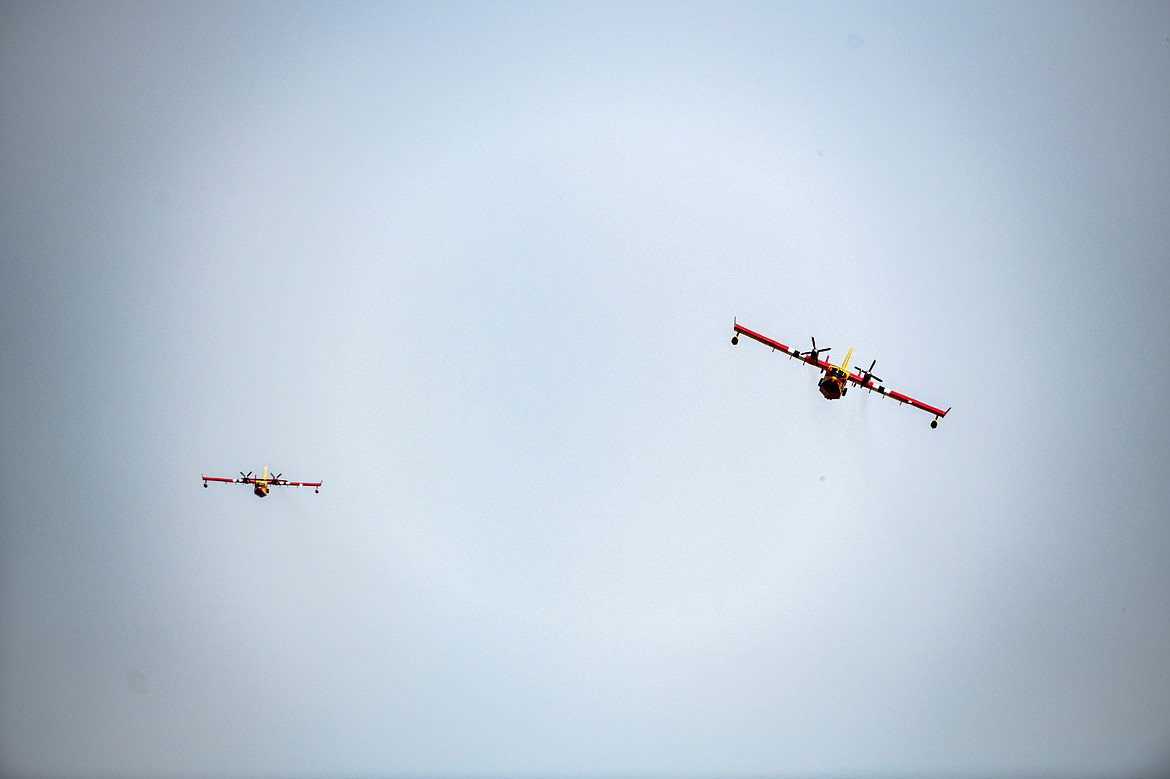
x=261, y=484
x=834, y=384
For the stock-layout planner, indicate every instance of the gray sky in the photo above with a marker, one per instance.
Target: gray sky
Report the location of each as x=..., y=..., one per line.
x=476, y=266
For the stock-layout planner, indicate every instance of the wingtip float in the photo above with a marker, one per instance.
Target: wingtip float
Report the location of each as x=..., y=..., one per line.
x=262, y=484
x=835, y=383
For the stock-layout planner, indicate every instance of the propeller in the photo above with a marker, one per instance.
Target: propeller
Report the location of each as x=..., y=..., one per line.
x=814, y=352
x=276, y=477
x=247, y=475
x=867, y=374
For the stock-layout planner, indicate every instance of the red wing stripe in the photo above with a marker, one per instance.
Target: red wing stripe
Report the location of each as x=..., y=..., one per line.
x=926, y=407
x=917, y=403
x=898, y=396
x=217, y=478
x=765, y=340
x=904, y=398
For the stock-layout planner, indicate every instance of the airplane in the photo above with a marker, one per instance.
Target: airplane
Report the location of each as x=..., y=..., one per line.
x=261, y=484
x=835, y=383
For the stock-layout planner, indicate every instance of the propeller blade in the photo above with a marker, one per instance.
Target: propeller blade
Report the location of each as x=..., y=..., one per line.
x=815, y=351
x=867, y=373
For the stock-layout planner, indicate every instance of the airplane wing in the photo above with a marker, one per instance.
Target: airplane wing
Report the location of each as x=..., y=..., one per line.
x=867, y=383
x=223, y=479
x=811, y=359
x=287, y=483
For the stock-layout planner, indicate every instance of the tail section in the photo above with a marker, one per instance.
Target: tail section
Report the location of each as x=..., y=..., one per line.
x=845, y=362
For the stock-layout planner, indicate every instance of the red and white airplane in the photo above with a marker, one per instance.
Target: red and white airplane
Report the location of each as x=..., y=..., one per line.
x=834, y=384
x=261, y=484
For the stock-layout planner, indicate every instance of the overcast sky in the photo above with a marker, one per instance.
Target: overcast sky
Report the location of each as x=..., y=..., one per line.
x=476, y=267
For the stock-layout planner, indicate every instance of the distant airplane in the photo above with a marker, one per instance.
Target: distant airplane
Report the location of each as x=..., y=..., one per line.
x=261, y=484
x=833, y=385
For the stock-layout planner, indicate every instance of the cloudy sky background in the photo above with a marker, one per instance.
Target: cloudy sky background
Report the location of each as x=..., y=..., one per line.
x=476, y=267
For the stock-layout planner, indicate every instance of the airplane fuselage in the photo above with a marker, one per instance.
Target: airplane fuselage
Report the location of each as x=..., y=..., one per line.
x=832, y=386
